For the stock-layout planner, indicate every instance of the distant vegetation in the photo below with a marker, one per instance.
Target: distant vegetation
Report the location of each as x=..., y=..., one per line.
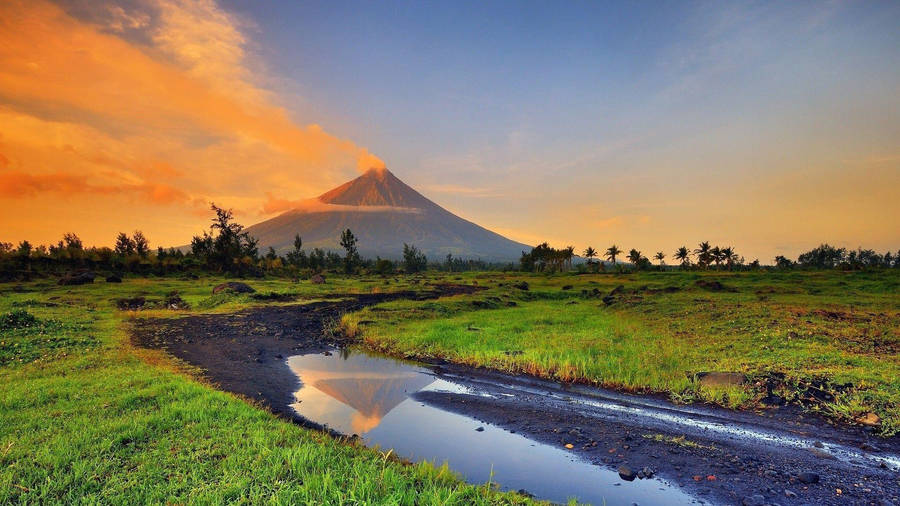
x=544, y=258
x=228, y=249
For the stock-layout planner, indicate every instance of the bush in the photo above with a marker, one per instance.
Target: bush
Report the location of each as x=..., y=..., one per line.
x=17, y=319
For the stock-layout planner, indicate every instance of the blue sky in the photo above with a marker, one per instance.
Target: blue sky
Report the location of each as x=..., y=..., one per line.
x=587, y=102
x=768, y=126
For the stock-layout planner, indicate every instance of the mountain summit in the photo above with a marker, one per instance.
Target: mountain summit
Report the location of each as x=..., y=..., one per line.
x=383, y=212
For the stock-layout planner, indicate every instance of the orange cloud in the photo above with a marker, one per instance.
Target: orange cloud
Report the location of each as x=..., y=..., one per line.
x=87, y=112
x=20, y=184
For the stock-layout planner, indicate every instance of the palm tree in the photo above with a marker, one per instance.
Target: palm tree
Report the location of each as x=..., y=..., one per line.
x=684, y=255
x=660, y=256
x=717, y=256
x=730, y=256
x=590, y=253
x=569, y=253
x=634, y=256
x=703, y=253
x=612, y=252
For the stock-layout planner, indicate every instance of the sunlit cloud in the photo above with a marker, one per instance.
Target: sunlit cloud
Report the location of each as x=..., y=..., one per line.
x=154, y=100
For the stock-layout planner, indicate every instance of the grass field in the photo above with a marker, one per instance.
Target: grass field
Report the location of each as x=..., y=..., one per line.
x=85, y=418
x=827, y=339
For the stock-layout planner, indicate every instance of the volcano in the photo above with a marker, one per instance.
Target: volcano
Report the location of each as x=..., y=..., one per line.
x=384, y=213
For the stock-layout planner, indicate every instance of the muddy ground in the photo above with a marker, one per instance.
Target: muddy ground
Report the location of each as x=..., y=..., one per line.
x=780, y=456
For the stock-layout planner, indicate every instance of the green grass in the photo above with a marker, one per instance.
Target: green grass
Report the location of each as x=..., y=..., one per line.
x=85, y=418
x=838, y=332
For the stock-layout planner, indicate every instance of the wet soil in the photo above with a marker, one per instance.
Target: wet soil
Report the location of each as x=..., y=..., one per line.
x=717, y=455
x=245, y=352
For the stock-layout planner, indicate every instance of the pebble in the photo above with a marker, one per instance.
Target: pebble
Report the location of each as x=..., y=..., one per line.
x=754, y=500
x=808, y=477
x=626, y=473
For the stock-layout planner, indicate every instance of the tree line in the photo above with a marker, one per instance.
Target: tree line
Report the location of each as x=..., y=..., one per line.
x=544, y=258
x=226, y=248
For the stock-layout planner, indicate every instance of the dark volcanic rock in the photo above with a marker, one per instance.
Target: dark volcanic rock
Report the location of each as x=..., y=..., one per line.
x=610, y=298
x=131, y=303
x=522, y=285
x=113, y=279
x=626, y=473
x=754, y=500
x=175, y=301
x=233, y=286
x=808, y=478
x=81, y=278
x=714, y=286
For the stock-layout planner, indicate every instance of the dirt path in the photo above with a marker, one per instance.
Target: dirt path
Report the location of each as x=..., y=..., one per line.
x=718, y=455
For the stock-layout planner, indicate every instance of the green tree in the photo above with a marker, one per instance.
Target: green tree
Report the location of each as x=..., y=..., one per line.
x=228, y=246
x=413, y=259
x=660, y=257
x=683, y=254
x=124, y=245
x=590, y=253
x=351, y=257
x=634, y=256
x=704, y=254
x=296, y=256
x=612, y=252
x=141, y=245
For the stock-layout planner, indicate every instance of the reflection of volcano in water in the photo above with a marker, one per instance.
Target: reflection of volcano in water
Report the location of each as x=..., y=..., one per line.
x=358, y=390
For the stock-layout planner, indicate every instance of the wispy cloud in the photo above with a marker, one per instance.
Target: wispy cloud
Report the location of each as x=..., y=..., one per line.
x=467, y=191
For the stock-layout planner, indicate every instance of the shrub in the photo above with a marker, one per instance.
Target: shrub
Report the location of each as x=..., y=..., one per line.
x=17, y=319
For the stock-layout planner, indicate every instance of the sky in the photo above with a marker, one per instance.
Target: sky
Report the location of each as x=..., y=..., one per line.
x=770, y=127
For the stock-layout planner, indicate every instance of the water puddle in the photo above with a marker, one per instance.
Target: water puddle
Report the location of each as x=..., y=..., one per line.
x=353, y=392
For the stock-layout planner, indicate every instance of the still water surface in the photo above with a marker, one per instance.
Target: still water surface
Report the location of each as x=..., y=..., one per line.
x=354, y=392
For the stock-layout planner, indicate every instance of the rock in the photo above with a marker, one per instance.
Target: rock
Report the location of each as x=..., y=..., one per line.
x=113, y=279
x=80, y=278
x=479, y=429
x=869, y=419
x=713, y=286
x=808, y=478
x=567, y=287
x=131, y=304
x=610, y=298
x=523, y=285
x=234, y=287
x=648, y=472
x=822, y=454
x=869, y=447
x=176, y=302
x=318, y=279
x=789, y=494
x=626, y=473
x=819, y=444
x=754, y=500
x=720, y=379
x=772, y=400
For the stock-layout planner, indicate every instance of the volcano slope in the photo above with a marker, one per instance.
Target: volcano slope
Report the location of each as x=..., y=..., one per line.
x=384, y=213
